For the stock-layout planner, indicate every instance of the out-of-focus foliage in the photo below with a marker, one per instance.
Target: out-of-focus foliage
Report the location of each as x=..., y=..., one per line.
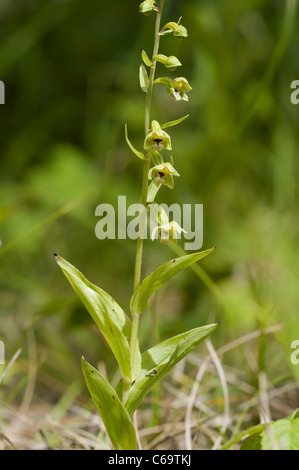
x=71, y=74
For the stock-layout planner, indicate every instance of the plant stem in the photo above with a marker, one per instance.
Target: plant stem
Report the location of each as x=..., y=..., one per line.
x=248, y=432
x=153, y=69
x=139, y=248
x=146, y=167
x=146, y=162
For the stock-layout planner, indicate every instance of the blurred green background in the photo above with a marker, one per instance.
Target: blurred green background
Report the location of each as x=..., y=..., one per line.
x=71, y=74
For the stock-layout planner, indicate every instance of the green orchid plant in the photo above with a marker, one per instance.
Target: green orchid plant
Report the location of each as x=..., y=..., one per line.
x=140, y=371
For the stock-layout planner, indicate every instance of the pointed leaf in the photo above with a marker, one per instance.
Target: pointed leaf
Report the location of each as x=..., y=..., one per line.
x=115, y=417
x=174, y=123
x=136, y=152
x=157, y=361
x=143, y=78
x=146, y=59
x=160, y=276
x=106, y=313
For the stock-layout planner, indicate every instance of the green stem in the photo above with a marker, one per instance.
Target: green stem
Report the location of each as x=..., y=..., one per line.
x=139, y=247
x=146, y=167
x=153, y=69
x=248, y=432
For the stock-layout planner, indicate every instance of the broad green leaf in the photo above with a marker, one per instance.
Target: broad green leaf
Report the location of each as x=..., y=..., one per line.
x=157, y=361
x=174, y=123
x=106, y=313
x=252, y=442
x=143, y=78
x=160, y=276
x=136, y=152
x=146, y=59
x=119, y=389
x=115, y=417
x=282, y=434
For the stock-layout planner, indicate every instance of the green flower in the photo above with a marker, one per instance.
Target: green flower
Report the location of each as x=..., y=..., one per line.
x=148, y=6
x=163, y=174
x=178, y=89
x=157, y=138
x=166, y=230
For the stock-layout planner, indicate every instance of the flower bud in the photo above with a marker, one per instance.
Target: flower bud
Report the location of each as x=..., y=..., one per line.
x=171, y=62
x=148, y=6
x=177, y=29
